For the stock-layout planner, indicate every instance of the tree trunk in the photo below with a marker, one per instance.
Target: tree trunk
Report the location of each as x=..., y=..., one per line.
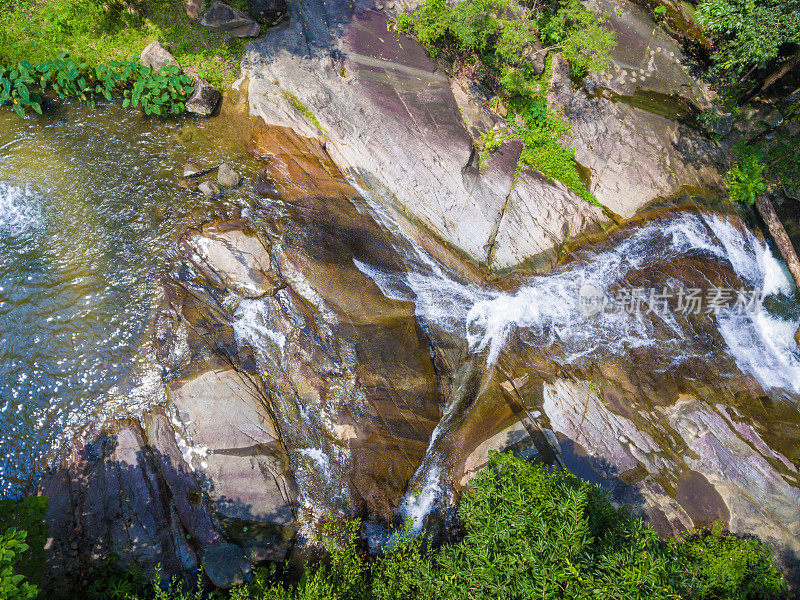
x=782, y=240
x=787, y=66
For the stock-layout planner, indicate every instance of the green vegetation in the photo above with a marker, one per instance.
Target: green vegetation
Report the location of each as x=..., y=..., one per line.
x=12, y=584
x=21, y=547
x=725, y=566
x=158, y=92
x=98, y=32
x=745, y=181
x=298, y=105
x=501, y=40
x=751, y=37
x=528, y=532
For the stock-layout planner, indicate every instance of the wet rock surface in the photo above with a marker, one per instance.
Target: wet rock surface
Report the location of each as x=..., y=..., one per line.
x=390, y=117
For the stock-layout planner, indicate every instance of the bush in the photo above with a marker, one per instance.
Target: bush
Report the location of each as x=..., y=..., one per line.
x=531, y=532
x=159, y=92
x=12, y=584
x=528, y=532
x=500, y=36
x=726, y=567
x=749, y=35
x=745, y=181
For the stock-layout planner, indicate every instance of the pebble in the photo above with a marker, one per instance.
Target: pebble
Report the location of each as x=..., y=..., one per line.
x=379, y=6
x=190, y=170
x=227, y=176
x=390, y=5
x=209, y=189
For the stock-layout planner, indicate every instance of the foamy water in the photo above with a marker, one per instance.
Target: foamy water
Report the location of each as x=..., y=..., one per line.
x=19, y=210
x=545, y=313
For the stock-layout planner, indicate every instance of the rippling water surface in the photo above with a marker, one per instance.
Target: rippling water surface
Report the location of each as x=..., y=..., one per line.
x=89, y=210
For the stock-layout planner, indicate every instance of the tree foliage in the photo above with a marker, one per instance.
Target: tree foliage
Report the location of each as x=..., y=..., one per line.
x=750, y=35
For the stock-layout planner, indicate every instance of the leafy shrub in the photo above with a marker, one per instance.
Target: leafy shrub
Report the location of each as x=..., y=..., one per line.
x=749, y=35
x=726, y=567
x=158, y=92
x=528, y=532
x=12, y=584
x=109, y=581
x=501, y=36
x=745, y=181
x=165, y=90
x=27, y=515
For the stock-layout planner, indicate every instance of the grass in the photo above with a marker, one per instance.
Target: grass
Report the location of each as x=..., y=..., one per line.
x=303, y=110
x=98, y=32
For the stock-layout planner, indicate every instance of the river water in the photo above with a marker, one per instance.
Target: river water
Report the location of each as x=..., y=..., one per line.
x=89, y=213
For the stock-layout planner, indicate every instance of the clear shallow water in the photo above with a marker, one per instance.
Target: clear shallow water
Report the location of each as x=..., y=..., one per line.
x=89, y=211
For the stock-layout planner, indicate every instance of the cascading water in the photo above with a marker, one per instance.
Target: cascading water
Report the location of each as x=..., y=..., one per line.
x=545, y=312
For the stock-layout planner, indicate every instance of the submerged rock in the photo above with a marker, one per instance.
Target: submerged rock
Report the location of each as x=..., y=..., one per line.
x=227, y=176
x=209, y=189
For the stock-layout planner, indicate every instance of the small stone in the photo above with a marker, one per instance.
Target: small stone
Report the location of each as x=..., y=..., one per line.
x=227, y=176
x=191, y=170
x=209, y=189
x=156, y=56
x=379, y=6
x=774, y=118
x=390, y=5
x=188, y=184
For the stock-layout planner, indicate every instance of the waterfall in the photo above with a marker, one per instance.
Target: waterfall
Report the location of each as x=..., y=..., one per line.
x=545, y=312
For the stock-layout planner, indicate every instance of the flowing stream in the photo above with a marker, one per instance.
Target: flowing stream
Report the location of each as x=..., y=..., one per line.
x=673, y=253
x=89, y=213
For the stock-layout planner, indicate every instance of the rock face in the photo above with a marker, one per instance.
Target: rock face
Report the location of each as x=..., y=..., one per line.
x=389, y=115
x=224, y=17
x=344, y=371
x=267, y=11
x=156, y=56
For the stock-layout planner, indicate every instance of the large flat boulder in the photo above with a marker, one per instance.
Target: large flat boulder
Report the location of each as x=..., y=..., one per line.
x=388, y=116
